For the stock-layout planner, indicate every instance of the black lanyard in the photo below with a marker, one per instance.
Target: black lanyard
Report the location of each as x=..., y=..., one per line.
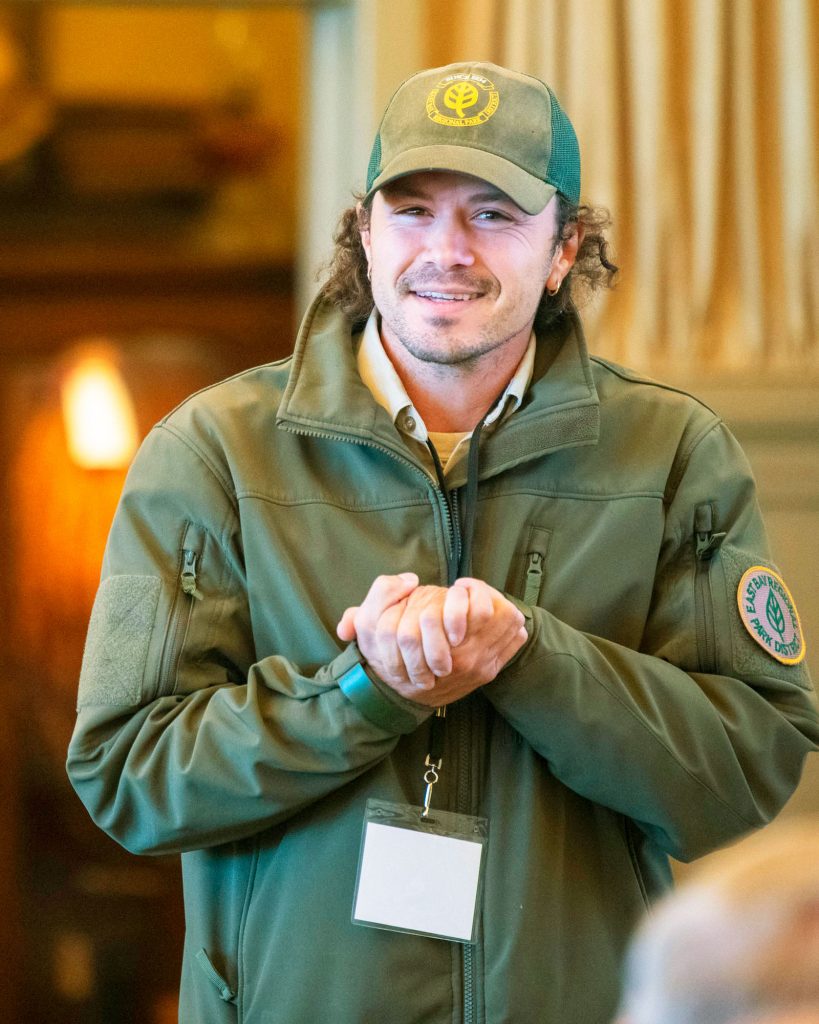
x=459, y=563
x=459, y=555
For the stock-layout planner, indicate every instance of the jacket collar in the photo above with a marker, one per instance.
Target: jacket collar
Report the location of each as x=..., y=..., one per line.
x=325, y=396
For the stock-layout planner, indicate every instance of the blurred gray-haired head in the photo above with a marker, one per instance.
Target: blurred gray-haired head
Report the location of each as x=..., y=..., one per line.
x=738, y=943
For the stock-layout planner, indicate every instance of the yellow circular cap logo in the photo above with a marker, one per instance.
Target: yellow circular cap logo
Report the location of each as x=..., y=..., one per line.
x=769, y=614
x=462, y=100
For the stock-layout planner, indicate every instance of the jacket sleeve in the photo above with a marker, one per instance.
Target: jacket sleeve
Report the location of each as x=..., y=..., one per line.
x=700, y=735
x=183, y=740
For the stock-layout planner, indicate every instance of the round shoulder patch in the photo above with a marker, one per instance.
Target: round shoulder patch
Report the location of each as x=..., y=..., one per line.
x=769, y=614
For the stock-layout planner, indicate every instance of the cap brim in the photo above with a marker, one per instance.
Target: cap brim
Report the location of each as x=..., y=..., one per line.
x=530, y=193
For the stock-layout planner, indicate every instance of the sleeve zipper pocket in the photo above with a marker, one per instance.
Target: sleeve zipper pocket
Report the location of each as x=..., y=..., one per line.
x=706, y=543
x=186, y=595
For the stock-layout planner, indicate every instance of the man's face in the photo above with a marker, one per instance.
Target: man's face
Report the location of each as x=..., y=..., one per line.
x=457, y=268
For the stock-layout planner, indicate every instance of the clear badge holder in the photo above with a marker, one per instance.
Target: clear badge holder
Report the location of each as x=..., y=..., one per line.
x=420, y=871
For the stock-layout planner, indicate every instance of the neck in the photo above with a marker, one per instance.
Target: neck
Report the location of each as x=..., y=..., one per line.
x=453, y=398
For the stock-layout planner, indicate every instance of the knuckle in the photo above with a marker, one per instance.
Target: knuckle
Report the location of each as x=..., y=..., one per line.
x=439, y=663
x=428, y=617
x=481, y=616
x=407, y=637
x=384, y=632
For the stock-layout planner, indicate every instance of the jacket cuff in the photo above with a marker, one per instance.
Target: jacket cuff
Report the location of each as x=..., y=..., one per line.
x=376, y=701
x=530, y=629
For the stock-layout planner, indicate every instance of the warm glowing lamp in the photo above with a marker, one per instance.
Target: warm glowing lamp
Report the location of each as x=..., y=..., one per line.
x=100, y=422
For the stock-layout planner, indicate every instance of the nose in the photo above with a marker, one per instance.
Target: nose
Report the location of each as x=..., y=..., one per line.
x=449, y=242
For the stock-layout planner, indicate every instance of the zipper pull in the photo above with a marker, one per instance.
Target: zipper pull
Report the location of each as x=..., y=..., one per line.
x=226, y=993
x=705, y=539
x=534, y=577
x=188, y=577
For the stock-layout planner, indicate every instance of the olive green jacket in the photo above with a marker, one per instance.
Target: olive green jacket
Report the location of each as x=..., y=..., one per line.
x=639, y=721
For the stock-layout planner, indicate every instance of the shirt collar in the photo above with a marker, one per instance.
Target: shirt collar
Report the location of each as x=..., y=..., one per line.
x=381, y=377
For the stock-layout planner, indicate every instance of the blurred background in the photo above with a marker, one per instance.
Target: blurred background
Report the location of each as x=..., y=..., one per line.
x=170, y=175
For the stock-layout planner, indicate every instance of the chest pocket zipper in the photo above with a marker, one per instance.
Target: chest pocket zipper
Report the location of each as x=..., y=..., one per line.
x=534, y=577
x=537, y=548
x=187, y=578
x=186, y=596
x=706, y=543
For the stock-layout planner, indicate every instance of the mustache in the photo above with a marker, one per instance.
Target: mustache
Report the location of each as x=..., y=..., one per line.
x=434, y=280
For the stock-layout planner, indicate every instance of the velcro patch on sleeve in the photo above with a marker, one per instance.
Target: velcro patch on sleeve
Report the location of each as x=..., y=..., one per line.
x=119, y=635
x=769, y=614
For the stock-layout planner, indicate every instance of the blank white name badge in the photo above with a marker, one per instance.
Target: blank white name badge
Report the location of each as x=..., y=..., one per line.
x=420, y=875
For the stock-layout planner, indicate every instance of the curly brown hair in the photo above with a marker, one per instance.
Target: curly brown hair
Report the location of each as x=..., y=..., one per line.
x=347, y=286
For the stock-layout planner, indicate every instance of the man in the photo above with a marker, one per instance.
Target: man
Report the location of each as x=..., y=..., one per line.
x=492, y=523
x=738, y=943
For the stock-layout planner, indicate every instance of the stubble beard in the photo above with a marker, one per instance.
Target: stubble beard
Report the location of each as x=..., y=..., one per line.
x=432, y=344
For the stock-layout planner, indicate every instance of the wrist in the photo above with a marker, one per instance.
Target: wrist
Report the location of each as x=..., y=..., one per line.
x=374, y=699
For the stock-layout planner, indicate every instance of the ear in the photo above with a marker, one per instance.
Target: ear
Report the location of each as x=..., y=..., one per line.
x=564, y=258
x=566, y=253
x=364, y=232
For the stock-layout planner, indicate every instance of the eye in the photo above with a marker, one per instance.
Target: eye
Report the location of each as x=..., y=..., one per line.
x=492, y=215
x=410, y=211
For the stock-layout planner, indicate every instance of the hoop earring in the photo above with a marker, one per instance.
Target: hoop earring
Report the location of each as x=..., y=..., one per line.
x=369, y=273
x=553, y=291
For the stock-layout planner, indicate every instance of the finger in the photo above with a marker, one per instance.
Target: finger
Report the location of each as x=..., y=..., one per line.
x=410, y=643
x=346, y=626
x=434, y=640
x=481, y=604
x=384, y=592
x=504, y=614
x=390, y=664
x=456, y=614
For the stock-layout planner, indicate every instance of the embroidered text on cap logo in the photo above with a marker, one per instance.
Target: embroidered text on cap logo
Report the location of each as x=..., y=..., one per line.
x=472, y=99
x=769, y=614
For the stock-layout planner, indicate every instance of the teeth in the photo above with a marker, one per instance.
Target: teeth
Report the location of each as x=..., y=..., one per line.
x=447, y=298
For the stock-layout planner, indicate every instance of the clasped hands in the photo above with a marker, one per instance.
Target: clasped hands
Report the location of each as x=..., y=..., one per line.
x=434, y=645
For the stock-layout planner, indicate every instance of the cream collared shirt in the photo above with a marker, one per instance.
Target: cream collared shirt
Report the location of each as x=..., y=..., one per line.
x=381, y=378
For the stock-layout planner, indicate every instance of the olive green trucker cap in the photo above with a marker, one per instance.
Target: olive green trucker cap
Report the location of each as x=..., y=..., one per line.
x=480, y=119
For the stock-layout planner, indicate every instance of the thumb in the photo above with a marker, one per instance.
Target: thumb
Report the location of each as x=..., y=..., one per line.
x=346, y=626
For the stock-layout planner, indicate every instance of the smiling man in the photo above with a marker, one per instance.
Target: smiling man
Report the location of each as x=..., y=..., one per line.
x=429, y=645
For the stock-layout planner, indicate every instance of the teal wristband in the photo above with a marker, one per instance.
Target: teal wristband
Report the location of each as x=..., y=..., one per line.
x=360, y=690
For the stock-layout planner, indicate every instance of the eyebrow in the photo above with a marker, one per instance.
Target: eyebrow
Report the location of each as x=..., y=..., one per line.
x=488, y=194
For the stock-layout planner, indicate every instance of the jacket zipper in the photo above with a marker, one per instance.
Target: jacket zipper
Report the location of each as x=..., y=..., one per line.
x=330, y=436
x=537, y=547
x=706, y=542
x=180, y=615
x=188, y=575
x=464, y=732
x=462, y=728
x=534, y=577
x=463, y=756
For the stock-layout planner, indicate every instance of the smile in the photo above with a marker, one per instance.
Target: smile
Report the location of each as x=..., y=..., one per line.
x=448, y=296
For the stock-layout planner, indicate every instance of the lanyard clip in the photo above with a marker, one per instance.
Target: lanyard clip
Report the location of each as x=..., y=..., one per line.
x=435, y=757
x=430, y=778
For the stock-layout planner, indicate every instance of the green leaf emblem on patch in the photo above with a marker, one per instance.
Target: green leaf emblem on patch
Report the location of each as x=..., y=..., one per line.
x=774, y=613
x=769, y=614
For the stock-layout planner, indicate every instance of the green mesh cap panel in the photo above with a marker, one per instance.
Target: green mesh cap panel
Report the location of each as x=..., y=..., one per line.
x=374, y=168
x=564, y=160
